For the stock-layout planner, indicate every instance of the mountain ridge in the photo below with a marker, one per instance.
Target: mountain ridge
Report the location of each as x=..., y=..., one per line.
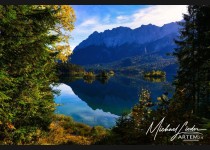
x=121, y=42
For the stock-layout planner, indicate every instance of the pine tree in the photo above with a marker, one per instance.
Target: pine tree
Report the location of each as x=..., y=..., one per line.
x=203, y=59
x=193, y=57
x=28, y=54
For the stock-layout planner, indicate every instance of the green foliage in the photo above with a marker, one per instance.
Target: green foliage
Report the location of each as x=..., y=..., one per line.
x=194, y=57
x=103, y=76
x=136, y=64
x=27, y=62
x=71, y=72
x=131, y=128
x=68, y=69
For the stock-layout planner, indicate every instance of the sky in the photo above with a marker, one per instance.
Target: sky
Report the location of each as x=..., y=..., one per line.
x=90, y=18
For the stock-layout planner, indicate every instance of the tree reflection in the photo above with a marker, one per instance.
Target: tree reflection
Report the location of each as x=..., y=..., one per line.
x=155, y=79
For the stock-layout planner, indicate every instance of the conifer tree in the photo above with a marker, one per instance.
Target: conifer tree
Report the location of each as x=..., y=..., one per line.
x=29, y=47
x=193, y=57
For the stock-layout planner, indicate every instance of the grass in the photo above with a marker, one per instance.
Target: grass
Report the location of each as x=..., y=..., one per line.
x=64, y=130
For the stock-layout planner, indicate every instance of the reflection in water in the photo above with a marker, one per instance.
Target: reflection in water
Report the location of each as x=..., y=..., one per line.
x=100, y=104
x=118, y=95
x=153, y=79
x=73, y=106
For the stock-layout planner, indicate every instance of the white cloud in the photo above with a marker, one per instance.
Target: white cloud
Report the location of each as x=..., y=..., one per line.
x=122, y=18
x=65, y=89
x=89, y=22
x=158, y=15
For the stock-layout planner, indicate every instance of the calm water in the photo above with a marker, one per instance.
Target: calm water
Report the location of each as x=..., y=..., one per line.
x=101, y=104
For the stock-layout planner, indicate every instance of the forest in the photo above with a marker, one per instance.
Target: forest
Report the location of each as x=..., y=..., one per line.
x=35, y=38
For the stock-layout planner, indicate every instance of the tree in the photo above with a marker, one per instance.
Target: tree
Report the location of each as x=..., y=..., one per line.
x=203, y=59
x=29, y=48
x=193, y=57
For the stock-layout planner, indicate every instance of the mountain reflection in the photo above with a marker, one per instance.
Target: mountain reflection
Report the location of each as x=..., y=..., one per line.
x=101, y=103
x=118, y=95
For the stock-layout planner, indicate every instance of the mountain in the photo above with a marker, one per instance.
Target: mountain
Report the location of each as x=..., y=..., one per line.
x=122, y=42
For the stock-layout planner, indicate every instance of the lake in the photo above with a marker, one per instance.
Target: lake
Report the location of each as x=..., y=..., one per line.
x=100, y=104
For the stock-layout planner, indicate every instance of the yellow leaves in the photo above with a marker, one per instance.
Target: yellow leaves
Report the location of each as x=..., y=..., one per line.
x=38, y=132
x=63, y=130
x=66, y=16
x=10, y=126
x=52, y=126
x=58, y=135
x=159, y=99
x=63, y=52
x=80, y=140
x=64, y=48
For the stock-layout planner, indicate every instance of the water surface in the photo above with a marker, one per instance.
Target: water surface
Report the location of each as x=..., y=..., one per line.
x=101, y=103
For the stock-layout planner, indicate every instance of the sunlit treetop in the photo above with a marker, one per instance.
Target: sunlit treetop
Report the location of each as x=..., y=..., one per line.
x=65, y=18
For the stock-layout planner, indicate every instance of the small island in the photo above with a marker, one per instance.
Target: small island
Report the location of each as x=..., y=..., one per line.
x=105, y=74
x=155, y=74
x=72, y=72
x=102, y=76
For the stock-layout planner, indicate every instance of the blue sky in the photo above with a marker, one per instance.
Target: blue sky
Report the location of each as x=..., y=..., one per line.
x=90, y=18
